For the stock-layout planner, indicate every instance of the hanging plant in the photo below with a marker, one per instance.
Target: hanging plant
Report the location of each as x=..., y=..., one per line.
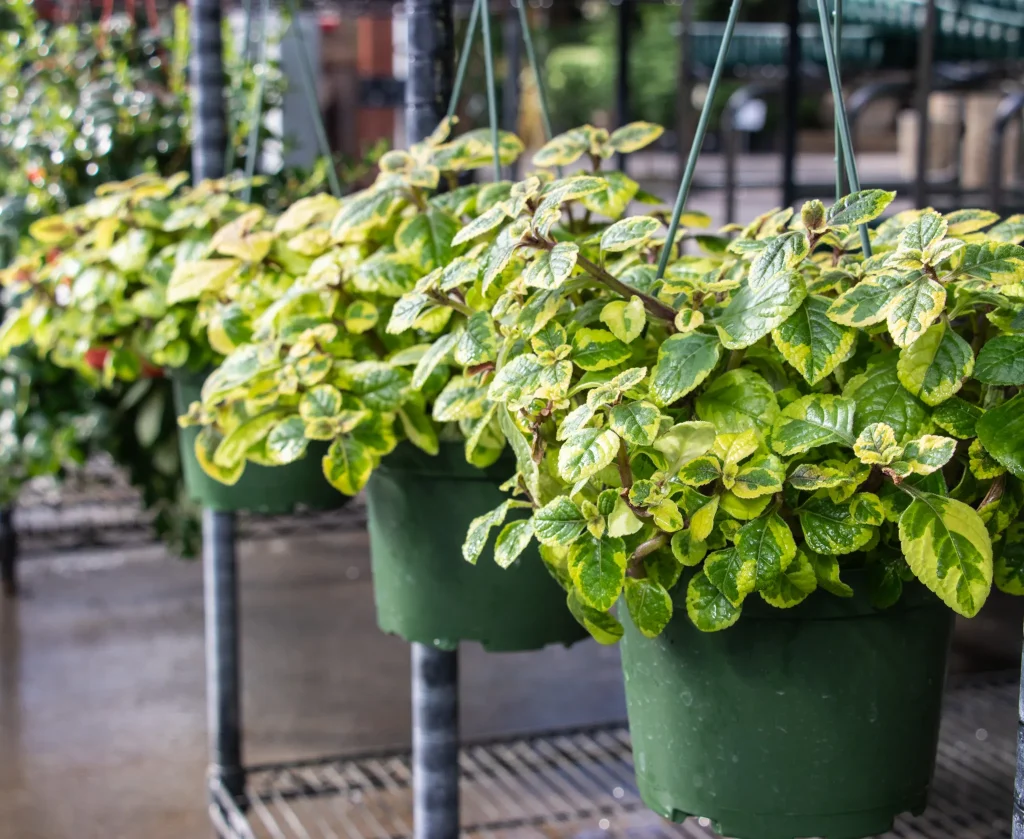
x=776, y=408
x=325, y=362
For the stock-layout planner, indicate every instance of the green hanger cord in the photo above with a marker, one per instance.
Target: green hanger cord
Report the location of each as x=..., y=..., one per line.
x=308, y=79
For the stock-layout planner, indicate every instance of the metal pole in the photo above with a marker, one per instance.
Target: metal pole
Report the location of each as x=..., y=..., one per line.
x=220, y=582
x=435, y=682
x=792, y=103
x=1018, y=785
x=223, y=673
x=925, y=57
x=622, y=109
x=8, y=552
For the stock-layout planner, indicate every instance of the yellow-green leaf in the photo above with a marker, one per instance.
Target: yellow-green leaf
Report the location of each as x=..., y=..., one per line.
x=935, y=366
x=707, y=607
x=628, y=233
x=649, y=604
x=948, y=548
x=625, y=320
x=812, y=342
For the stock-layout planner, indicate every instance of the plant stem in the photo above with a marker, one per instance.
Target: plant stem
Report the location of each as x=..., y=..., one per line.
x=444, y=300
x=735, y=359
x=655, y=308
x=636, y=565
x=625, y=470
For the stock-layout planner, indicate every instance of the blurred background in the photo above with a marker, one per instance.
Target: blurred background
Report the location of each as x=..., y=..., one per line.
x=102, y=698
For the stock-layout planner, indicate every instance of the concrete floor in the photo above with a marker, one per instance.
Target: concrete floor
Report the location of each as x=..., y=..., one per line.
x=102, y=705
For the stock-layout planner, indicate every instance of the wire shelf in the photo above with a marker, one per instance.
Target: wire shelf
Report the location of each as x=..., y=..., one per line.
x=580, y=784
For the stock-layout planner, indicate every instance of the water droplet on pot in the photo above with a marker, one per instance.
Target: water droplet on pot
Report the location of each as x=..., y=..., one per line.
x=604, y=824
x=618, y=792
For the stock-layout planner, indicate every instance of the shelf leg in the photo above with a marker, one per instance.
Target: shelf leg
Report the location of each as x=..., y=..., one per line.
x=435, y=742
x=8, y=553
x=1018, y=784
x=223, y=674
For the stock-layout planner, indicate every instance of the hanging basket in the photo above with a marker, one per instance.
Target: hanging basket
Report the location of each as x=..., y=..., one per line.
x=821, y=720
x=419, y=510
x=275, y=490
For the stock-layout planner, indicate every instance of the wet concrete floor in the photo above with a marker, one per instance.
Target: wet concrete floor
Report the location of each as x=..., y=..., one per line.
x=102, y=703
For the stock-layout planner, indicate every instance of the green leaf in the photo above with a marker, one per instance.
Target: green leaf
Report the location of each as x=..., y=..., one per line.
x=380, y=386
x=815, y=420
x=462, y=398
x=418, y=427
x=923, y=231
x=868, y=302
x=877, y=444
x=707, y=607
x=826, y=572
x=633, y=137
x=559, y=522
x=948, y=548
x=484, y=223
x=598, y=349
x=480, y=531
x=684, y=361
x=687, y=550
x=586, y=453
x=427, y=237
x=701, y=471
x=189, y=280
x=526, y=467
x=683, y=442
x=614, y=197
x=780, y=253
x=603, y=626
x=234, y=448
x=881, y=397
x=625, y=320
x=512, y=541
x=207, y=442
x=16, y=330
x=563, y=149
x=990, y=261
x=1009, y=561
x=934, y=367
x=598, y=570
x=286, y=441
x=836, y=529
x=1001, y=432
x=649, y=604
x=628, y=233
x=811, y=342
x=737, y=401
x=635, y=422
x=406, y=311
x=702, y=522
x=519, y=381
x=552, y=268
x=348, y=465
x=859, y=207
x=1001, y=361
x=926, y=454
x=761, y=475
x=320, y=402
x=436, y=353
x=754, y=312
x=914, y=308
x=968, y=221
x=793, y=585
x=478, y=342
x=957, y=417
x=732, y=574
x=813, y=476
x=360, y=316
x=767, y=542
x=981, y=464
x=885, y=575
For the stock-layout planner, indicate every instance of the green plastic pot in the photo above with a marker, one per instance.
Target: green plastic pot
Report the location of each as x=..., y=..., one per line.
x=821, y=720
x=419, y=510
x=272, y=490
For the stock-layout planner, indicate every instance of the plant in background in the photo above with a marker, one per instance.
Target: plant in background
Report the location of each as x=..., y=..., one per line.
x=773, y=410
x=44, y=430
x=325, y=363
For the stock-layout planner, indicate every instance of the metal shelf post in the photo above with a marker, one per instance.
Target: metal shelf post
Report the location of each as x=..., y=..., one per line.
x=220, y=581
x=8, y=552
x=435, y=685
